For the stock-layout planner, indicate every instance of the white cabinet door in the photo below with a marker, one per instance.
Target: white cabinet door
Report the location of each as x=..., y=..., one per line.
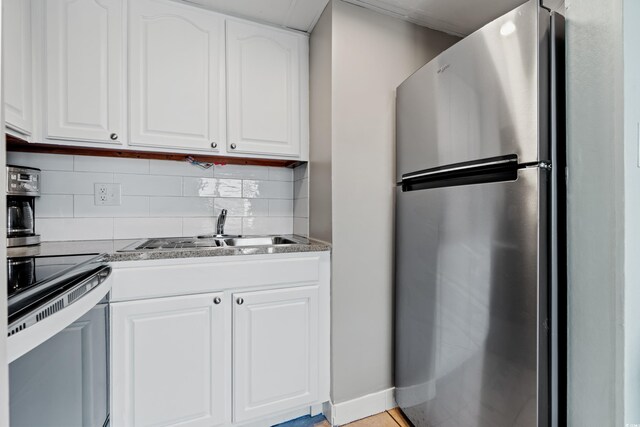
x=263, y=77
x=84, y=70
x=168, y=361
x=17, y=65
x=275, y=351
x=176, y=72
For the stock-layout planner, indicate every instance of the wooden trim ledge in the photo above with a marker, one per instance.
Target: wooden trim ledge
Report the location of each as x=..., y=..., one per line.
x=17, y=144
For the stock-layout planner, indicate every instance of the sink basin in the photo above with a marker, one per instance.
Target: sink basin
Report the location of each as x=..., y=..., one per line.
x=258, y=241
x=207, y=242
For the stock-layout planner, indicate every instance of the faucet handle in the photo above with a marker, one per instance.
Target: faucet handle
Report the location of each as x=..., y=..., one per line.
x=220, y=223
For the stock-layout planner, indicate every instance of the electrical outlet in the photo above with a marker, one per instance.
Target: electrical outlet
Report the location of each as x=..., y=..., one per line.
x=107, y=194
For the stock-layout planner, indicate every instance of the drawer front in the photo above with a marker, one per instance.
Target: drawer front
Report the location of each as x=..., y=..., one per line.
x=151, y=280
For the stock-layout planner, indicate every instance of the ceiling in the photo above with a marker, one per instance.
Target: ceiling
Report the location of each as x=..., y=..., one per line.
x=299, y=15
x=459, y=17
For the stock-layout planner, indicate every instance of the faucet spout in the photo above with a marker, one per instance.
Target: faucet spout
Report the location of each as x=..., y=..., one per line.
x=220, y=223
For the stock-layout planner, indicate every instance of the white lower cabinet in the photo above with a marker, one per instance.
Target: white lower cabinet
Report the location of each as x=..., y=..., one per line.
x=275, y=351
x=252, y=350
x=168, y=364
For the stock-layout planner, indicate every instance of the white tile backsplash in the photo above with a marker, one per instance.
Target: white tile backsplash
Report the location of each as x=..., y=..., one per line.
x=200, y=226
x=110, y=164
x=267, y=225
x=161, y=198
x=133, y=228
x=242, y=207
x=131, y=206
x=280, y=174
x=54, y=206
x=241, y=171
x=74, y=228
x=181, y=206
x=50, y=162
x=212, y=187
x=56, y=182
x=166, y=167
x=267, y=189
x=149, y=185
x=280, y=207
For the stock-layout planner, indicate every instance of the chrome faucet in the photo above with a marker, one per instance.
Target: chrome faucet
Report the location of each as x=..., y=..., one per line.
x=221, y=220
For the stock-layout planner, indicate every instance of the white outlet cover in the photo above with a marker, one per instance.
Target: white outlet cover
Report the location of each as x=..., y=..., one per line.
x=107, y=194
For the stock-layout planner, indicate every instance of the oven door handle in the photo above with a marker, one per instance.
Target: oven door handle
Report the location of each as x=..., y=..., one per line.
x=29, y=338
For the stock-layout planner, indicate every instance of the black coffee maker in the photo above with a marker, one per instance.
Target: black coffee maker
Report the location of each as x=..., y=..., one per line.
x=23, y=186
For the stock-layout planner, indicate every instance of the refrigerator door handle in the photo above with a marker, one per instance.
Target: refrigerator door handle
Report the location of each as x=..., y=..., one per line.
x=492, y=169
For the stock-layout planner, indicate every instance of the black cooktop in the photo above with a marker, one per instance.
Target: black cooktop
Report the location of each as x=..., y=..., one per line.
x=33, y=279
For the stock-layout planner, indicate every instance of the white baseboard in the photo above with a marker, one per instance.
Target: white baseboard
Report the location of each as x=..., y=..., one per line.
x=361, y=407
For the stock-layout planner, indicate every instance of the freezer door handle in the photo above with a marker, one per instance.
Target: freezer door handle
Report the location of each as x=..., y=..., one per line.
x=492, y=169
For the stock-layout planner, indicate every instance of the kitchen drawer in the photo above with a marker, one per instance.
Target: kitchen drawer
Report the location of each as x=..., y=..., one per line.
x=158, y=278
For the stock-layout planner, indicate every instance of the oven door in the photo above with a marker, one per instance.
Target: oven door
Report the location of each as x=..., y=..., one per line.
x=64, y=380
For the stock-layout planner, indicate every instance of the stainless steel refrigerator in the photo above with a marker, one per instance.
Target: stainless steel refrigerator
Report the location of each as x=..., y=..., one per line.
x=479, y=229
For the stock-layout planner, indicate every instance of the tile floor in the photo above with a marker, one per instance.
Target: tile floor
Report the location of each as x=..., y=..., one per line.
x=391, y=418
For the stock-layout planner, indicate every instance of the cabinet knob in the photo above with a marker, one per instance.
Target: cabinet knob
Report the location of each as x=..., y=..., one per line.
x=113, y=136
x=217, y=300
x=233, y=146
x=240, y=301
x=214, y=145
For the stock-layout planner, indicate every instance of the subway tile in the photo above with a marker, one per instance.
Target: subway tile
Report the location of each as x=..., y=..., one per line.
x=241, y=207
x=180, y=206
x=267, y=225
x=241, y=172
x=211, y=187
x=55, y=182
x=301, y=189
x=133, y=228
x=51, y=229
x=206, y=225
x=280, y=174
x=131, y=206
x=110, y=164
x=280, y=207
x=301, y=226
x=301, y=172
x=54, y=206
x=149, y=185
x=180, y=168
x=49, y=162
x=301, y=208
x=267, y=189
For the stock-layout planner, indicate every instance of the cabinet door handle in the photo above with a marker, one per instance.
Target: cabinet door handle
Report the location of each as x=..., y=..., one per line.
x=240, y=301
x=113, y=136
x=233, y=146
x=214, y=145
x=217, y=300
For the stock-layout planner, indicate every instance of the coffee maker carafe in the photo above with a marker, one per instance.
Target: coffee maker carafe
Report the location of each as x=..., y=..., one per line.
x=23, y=186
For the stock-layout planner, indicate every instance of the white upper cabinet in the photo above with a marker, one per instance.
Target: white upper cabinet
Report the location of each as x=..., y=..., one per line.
x=176, y=73
x=84, y=70
x=275, y=351
x=263, y=86
x=17, y=65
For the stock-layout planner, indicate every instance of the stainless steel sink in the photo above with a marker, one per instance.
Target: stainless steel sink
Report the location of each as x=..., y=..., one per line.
x=258, y=241
x=174, y=243
x=207, y=242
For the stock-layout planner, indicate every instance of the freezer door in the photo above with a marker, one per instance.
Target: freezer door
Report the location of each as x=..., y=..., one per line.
x=470, y=301
x=483, y=97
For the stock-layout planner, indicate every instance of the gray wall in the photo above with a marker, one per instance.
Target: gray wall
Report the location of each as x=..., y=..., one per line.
x=595, y=209
x=320, y=128
x=370, y=55
x=632, y=209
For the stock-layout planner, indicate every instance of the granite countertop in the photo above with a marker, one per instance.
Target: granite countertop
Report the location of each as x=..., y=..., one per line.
x=112, y=249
